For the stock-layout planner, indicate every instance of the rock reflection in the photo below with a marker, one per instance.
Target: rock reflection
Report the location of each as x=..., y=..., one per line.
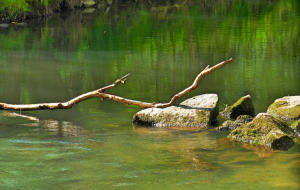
x=61, y=128
x=190, y=147
x=259, y=150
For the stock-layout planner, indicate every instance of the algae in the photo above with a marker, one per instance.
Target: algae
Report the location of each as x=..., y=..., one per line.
x=286, y=108
x=265, y=130
x=243, y=106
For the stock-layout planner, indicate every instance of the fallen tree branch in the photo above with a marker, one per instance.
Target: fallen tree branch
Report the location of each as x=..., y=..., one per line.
x=100, y=93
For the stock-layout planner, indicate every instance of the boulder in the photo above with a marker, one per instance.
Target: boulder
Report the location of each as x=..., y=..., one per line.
x=230, y=125
x=266, y=130
x=197, y=112
x=286, y=108
x=243, y=106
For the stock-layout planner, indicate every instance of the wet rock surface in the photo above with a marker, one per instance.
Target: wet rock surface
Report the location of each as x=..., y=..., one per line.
x=296, y=128
x=230, y=125
x=197, y=112
x=266, y=130
x=286, y=108
x=243, y=106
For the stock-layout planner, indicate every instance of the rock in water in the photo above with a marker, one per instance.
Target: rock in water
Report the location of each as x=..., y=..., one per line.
x=286, y=108
x=230, y=125
x=243, y=106
x=197, y=112
x=266, y=130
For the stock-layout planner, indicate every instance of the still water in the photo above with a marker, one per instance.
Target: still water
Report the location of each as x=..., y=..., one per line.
x=95, y=146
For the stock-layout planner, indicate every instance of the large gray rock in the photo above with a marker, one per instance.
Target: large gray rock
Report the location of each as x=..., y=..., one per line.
x=242, y=106
x=266, y=130
x=197, y=112
x=286, y=108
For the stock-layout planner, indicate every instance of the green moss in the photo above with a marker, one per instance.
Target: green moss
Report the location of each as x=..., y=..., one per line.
x=20, y=9
x=296, y=125
x=14, y=7
x=281, y=109
x=264, y=130
x=296, y=128
x=242, y=106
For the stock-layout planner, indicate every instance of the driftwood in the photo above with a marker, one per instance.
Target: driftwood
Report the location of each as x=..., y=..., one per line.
x=100, y=93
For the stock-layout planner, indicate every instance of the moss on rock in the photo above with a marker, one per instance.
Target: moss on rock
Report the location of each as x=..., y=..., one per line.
x=266, y=130
x=286, y=108
x=230, y=125
x=296, y=128
x=243, y=106
x=196, y=112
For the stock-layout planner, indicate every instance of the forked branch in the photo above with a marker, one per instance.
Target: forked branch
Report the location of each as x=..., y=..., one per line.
x=100, y=93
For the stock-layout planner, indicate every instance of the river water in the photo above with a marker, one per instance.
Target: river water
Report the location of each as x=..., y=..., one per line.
x=95, y=146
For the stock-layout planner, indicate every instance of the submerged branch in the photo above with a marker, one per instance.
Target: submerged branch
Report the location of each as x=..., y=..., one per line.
x=100, y=93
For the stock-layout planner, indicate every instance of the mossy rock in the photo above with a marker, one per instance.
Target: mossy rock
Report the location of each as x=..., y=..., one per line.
x=196, y=112
x=296, y=128
x=230, y=125
x=266, y=130
x=244, y=106
x=286, y=108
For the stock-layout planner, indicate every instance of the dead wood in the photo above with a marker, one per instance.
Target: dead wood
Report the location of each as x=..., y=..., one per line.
x=100, y=93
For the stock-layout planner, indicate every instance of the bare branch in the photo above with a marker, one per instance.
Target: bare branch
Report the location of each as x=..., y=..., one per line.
x=99, y=93
x=194, y=85
x=116, y=83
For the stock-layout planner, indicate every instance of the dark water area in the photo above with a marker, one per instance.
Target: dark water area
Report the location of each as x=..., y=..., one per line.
x=95, y=146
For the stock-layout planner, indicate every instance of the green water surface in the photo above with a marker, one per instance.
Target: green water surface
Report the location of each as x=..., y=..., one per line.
x=95, y=146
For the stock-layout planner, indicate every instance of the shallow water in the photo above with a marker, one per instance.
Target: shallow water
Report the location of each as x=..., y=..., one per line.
x=95, y=146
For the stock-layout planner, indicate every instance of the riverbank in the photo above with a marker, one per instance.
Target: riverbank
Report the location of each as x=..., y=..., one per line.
x=22, y=10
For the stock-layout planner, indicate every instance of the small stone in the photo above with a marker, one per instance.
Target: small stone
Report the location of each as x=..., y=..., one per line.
x=227, y=126
x=243, y=106
x=244, y=119
x=286, y=108
x=230, y=125
x=88, y=3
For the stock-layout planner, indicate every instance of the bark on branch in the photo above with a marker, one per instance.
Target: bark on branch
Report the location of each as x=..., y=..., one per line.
x=100, y=93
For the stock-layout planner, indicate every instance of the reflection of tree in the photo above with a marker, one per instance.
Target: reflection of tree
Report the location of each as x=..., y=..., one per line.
x=139, y=39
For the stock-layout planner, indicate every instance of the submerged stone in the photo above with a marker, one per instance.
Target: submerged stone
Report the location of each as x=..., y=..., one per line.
x=230, y=125
x=286, y=108
x=266, y=130
x=197, y=112
x=243, y=106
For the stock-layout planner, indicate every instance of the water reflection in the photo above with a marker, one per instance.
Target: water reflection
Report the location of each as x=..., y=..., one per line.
x=190, y=147
x=164, y=50
x=60, y=128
